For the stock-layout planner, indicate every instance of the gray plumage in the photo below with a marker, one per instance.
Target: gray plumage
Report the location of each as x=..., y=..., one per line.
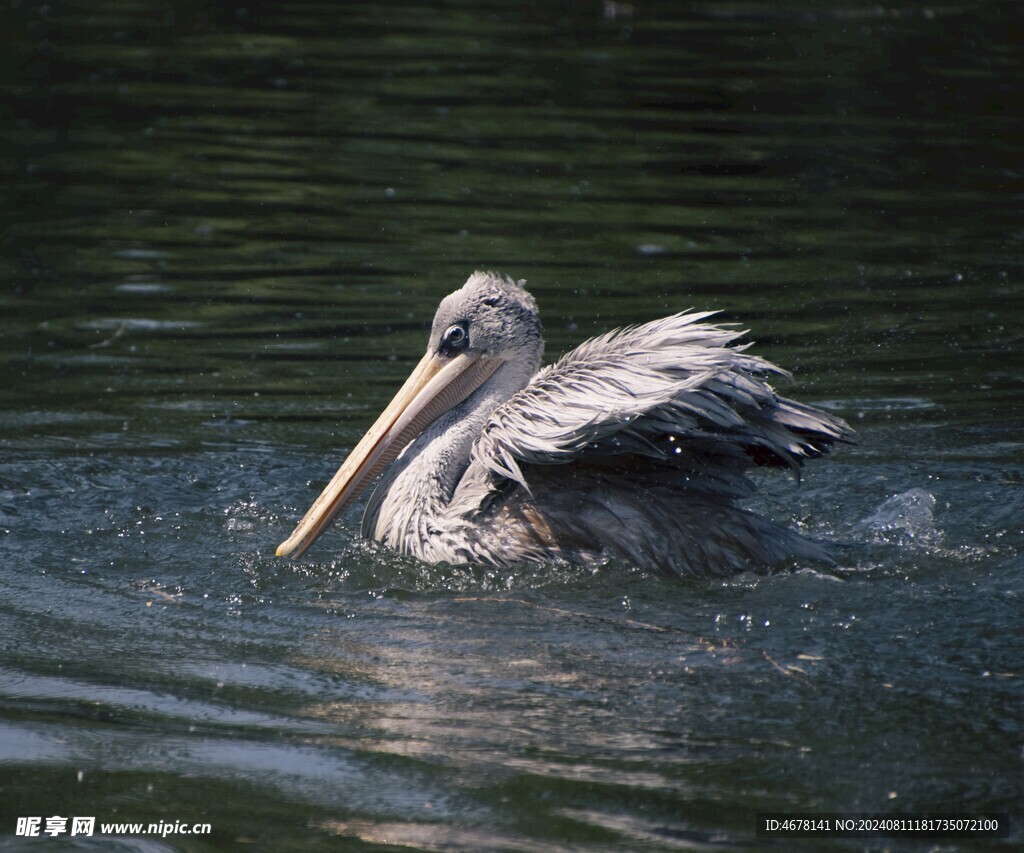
x=634, y=445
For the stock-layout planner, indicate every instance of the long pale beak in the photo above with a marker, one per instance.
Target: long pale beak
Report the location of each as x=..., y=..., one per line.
x=435, y=386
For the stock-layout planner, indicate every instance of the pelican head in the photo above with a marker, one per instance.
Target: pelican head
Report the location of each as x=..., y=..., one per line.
x=490, y=323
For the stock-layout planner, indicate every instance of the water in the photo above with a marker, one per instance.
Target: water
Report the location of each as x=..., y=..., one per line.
x=225, y=230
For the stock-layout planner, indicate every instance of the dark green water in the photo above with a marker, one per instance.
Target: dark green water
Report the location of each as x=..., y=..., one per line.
x=224, y=231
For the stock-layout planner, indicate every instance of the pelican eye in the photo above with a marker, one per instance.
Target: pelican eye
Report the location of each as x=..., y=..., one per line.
x=455, y=339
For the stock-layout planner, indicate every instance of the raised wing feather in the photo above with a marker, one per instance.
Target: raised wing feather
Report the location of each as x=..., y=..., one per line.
x=676, y=391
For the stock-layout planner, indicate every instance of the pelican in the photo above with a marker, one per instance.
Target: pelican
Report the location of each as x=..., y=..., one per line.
x=635, y=445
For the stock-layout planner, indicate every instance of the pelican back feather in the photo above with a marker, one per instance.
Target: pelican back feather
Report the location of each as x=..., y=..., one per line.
x=677, y=391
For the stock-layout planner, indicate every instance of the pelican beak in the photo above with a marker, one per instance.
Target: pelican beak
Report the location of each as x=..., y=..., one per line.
x=437, y=385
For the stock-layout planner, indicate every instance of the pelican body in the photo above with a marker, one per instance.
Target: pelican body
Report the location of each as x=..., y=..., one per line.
x=635, y=445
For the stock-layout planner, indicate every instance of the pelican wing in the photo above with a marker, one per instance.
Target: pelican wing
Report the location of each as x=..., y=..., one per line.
x=677, y=391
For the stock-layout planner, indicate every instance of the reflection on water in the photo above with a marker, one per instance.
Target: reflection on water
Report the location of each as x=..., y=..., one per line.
x=224, y=231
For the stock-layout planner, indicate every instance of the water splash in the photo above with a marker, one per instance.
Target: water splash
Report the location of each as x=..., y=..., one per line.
x=906, y=517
